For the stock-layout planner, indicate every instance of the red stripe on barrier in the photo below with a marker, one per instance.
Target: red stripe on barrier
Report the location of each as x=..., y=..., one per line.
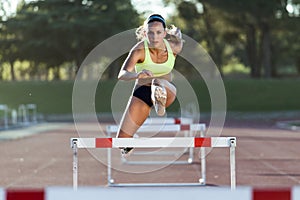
x=184, y=127
x=177, y=121
x=272, y=194
x=103, y=142
x=202, y=142
x=12, y=194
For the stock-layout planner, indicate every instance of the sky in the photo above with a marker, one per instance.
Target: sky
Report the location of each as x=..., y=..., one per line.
x=153, y=6
x=11, y=7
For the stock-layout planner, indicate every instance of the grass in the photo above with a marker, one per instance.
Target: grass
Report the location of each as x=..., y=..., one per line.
x=242, y=95
x=263, y=95
x=50, y=97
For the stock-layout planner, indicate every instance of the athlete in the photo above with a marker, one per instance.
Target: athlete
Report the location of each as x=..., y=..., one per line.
x=149, y=63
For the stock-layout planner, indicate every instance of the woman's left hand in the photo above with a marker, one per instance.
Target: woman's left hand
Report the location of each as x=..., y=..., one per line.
x=145, y=74
x=174, y=34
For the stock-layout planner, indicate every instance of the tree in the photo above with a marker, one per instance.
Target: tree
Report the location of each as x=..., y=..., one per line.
x=287, y=48
x=9, y=47
x=5, y=46
x=58, y=31
x=205, y=25
x=257, y=20
x=253, y=31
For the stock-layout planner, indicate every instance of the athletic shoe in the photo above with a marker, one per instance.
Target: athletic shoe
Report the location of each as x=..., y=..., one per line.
x=126, y=151
x=158, y=97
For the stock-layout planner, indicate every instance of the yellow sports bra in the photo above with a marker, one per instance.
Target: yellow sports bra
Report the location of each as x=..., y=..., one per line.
x=158, y=69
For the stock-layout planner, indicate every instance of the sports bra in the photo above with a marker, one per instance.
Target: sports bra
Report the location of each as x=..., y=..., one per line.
x=158, y=69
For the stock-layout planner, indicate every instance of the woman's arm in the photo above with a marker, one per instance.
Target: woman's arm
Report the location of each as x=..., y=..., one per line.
x=174, y=37
x=127, y=71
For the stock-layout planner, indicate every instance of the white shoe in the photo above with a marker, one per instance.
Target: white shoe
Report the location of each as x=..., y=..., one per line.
x=126, y=151
x=158, y=97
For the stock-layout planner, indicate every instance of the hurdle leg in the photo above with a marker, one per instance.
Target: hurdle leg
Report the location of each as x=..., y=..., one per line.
x=75, y=164
x=6, y=118
x=109, y=178
x=203, y=162
x=232, y=164
x=110, y=181
x=191, y=149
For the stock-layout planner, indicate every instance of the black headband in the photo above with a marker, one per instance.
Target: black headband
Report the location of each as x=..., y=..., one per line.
x=158, y=18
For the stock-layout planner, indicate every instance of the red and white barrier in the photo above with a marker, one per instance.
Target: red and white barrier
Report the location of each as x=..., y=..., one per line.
x=147, y=193
x=160, y=142
x=162, y=128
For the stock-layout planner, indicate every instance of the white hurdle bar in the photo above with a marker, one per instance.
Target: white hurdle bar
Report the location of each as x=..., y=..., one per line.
x=151, y=143
x=158, y=142
x=147, y=127
x=162, y=128
x=168, y=120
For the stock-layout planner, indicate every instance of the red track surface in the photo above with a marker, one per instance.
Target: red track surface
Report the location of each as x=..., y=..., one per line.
x=266, y=157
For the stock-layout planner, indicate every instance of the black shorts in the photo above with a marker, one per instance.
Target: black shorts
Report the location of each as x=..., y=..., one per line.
x=144, y=93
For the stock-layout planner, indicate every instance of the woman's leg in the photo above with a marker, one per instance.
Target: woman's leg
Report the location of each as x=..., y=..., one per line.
x=135, y=114
x=171, y=92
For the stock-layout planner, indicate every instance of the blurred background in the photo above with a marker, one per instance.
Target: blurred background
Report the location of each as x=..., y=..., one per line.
x=255, y=45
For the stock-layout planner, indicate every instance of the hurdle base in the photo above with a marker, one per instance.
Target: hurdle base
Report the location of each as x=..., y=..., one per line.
x=178, y=162
x=155, y=184
x=145, y=162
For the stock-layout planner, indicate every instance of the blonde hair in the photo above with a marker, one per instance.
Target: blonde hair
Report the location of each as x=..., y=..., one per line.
x=140, y=33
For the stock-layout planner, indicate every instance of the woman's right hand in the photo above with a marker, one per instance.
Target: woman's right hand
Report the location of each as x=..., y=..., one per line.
x=144, y=74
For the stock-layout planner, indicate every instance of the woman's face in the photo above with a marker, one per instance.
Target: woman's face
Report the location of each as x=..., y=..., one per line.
x=155, y=34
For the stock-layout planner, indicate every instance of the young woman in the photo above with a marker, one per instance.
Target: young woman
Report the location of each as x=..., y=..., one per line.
x=150, y=63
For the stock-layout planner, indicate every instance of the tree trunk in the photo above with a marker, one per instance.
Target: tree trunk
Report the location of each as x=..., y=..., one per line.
x=71, y=71
x=77, y=68
x=298, y=65
x=12, y=71
x=215, y=49
x=115, y=67
x=251, y=48
x=56, y=73
x=1, y=71
x=266, y=50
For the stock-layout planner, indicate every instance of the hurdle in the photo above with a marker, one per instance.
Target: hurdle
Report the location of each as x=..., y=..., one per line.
x=4, y=108
x=166, y=128
x=161, y=142
x=169, y=128
x=31, y=112
x=112, y=129
x=22, y=113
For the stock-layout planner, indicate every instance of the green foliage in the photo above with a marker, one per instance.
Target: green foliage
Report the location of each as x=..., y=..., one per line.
x=262, y=95
x=58, y=34
x=58, y=31
x=50, y=97
x=254, y=32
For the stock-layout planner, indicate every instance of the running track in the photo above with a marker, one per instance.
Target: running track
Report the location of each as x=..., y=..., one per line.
x=266, y=157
